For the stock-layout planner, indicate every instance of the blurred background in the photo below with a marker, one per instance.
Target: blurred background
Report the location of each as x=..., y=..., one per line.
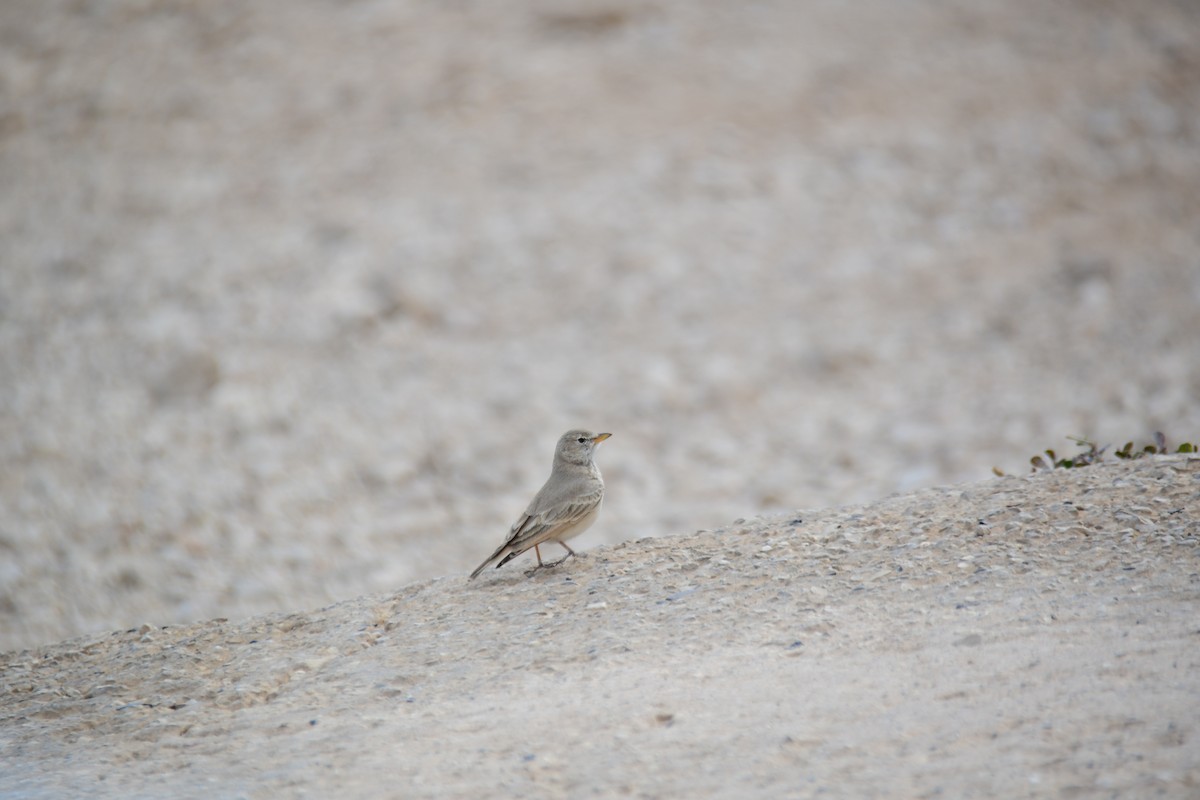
x=296, y=297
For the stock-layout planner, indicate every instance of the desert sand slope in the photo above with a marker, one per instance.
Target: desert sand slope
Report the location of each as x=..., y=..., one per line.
x=287, y=285
x=1025, y=636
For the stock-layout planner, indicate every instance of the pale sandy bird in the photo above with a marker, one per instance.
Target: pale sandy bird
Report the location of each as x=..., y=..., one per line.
x=566, y=506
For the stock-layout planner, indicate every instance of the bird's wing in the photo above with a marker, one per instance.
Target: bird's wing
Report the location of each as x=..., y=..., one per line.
x=541, y=527
x=557, y=493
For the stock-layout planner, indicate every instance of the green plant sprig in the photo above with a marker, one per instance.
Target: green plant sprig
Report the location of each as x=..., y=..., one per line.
x=1093, y=453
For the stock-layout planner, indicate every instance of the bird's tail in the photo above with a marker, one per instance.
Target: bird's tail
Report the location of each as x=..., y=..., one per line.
x=487, y=561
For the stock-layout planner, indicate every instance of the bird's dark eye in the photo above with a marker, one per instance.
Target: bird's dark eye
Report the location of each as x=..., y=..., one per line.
x=582, y=440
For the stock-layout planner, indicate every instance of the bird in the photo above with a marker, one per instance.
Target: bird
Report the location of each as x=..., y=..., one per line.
x=565, y=506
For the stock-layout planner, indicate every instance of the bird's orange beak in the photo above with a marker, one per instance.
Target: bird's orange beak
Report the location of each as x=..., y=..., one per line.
x=600, y=438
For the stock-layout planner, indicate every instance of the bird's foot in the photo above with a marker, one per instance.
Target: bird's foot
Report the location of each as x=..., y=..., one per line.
x=561, y=560
x=529, y=573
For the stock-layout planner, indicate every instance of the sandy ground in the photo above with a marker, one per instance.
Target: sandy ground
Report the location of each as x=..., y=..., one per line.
x=1025, y=637
x=295, y=297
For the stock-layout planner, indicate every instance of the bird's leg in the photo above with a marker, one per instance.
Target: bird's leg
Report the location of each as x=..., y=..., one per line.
x=538, y=552
x=570, y=553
